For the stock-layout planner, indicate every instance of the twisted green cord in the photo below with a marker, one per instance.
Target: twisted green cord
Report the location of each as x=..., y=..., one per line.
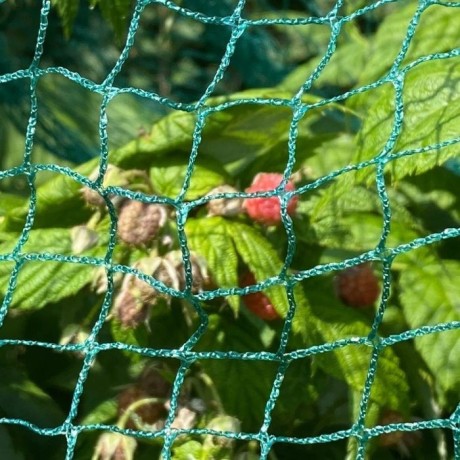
x=91, y=347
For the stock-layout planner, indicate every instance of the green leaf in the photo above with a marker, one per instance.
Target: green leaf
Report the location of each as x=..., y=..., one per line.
x=190, y=450
x=243, y=386
x=117, y=13
x=10, y=202
x=433, y=197
x=333, y=321
x=54, y=200
x=431, y=99
x=436, y=32
x=350, y=218
x=67, y=10
x=138, y=336
x=21, y=398
x=7, y=449
x=264, y=262
x=343, y=70
x=210, y=238
x=237, y=134
x=430, y=294
x=168, y=174
x=40, y=283
x=103, y=413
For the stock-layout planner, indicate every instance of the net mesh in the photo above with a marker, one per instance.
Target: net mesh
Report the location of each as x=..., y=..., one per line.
x=91, y=347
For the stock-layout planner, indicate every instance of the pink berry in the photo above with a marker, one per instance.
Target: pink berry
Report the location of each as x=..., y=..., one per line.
x=267, y=211
x=357, y=286
x=258, y=302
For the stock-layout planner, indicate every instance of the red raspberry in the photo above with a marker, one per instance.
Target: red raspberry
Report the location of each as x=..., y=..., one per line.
x=357, y=286
x=267, y=211
x=258, y=302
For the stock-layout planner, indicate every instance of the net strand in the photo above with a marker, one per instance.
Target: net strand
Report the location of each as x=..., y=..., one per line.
x=185, y=354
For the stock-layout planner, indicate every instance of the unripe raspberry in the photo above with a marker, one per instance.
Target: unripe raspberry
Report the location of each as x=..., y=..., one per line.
x=139, y=288
x=114, y=446
x=357, y=286
x=147, y=413
x=130, y=311
x=403, y=441
x=139, y=223
x=152, y=381
x=227, y=207
x=150, y=384
x=258, y=302
x=267, y=211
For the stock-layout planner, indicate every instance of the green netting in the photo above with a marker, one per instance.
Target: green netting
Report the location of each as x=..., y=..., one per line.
x=186, y=354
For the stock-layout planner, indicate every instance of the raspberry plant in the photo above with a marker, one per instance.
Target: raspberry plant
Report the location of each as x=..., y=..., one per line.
x=248, y=238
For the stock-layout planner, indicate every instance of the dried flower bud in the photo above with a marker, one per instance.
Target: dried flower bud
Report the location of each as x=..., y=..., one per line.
x=199, y=269
x=164, y=270
x=100, y=282
x=139, y=223
x=139, y=288
x=83, y=238
x=185, y=419
x=226, y=207
x=224, y=423
x=114, y=176
x=114, y=446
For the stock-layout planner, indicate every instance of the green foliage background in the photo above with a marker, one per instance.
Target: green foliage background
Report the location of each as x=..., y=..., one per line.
x=338, y=218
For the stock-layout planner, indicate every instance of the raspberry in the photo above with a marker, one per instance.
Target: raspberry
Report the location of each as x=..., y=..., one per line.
x=227, y=207
x=403, y=441
x=258, y=302
x=357, y=286
x=152, y=381
x=147, y=413
x=139, y=223
x=267, y=211
x=130, y=311
x=150, y=384
x=140, y=289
